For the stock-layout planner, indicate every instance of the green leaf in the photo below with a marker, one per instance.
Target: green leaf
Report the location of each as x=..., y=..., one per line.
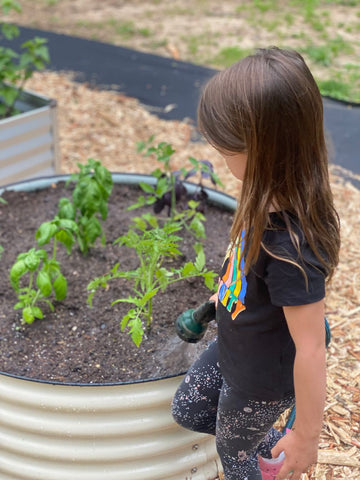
x=91, y=229
x=9, y=31
x=66, y=209
x=198, y=227
x=45, y=232
x=19, y=305
x=209, y=280
x=67, y=224
x=60, y=287
x=9, y=95
x=139, y=223
x=67, y=239
x=32, y=260
x=141, y=201
x=51, y=306
x=188, y=269
x=8, y=5
x=42, y=254
x=43, y=283
x=137, y=334
x=126, y=318
x=149, y=295
x=132, y=320
x=17, y=270
x=52, y=267
x=200, y=261
x=147, y=188
x=37, y=312
x=163, y=276
x=27, y=315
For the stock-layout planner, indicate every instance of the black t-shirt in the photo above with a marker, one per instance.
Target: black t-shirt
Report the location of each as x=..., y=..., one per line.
x=256, y=351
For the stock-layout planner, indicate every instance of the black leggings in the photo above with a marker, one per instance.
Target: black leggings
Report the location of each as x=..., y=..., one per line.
x=243, y=428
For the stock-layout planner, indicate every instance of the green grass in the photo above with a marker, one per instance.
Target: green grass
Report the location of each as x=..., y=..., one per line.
x=325, y=54
x=335, y=89
x=265, y=5
x=342, y=84
x=124, y=29
x=228, y=56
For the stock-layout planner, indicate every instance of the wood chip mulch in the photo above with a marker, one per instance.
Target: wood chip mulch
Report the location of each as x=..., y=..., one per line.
x=106, y=125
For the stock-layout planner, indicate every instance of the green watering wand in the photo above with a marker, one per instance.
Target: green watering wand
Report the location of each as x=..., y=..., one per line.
x=192, y=324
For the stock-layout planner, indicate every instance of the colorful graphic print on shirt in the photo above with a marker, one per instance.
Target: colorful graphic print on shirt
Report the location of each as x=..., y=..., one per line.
x=232, y=283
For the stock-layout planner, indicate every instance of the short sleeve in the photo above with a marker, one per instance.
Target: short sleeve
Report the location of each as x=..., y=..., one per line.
x=290, y=284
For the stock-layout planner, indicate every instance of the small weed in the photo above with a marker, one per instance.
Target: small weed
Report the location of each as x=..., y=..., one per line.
x=346, y=3
x=195, y=42
x=317, y=23
x=124, y=29
x=324, y=54
x=265, y=5
x=289, y=19
x=272, y=25
x=145, y=32
x=228, y=56
x=335, y=89
x=319, y=54
x=155, y=44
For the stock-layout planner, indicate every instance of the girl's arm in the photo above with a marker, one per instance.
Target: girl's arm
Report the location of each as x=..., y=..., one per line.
x=306, y=326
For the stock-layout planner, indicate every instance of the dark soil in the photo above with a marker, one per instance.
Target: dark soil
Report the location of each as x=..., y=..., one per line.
x=78, y=344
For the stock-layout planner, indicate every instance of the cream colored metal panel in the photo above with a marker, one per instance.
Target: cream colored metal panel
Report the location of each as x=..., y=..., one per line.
x=27, y=139
x=104, y=424
x=24, y=125
x=22, y=150
x=108, y=432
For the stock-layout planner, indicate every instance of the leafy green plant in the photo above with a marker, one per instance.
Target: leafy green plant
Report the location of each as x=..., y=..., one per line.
x=153, y=244
x=16, y=69
x=89, y=202
x=75, y=222
x=170, y=187
x=45, y=277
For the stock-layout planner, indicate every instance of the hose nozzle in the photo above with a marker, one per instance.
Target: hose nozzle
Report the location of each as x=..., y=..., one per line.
x=192, y=324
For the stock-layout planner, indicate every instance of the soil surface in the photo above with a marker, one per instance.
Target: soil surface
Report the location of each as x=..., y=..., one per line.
x=82, y=345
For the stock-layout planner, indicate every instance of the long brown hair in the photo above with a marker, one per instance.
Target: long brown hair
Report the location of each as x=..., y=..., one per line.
x=269, y=106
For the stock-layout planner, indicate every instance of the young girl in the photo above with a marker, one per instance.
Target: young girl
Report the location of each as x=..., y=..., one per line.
x=264, y=115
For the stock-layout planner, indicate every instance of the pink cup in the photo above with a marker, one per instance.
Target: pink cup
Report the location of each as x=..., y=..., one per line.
x=270, y=467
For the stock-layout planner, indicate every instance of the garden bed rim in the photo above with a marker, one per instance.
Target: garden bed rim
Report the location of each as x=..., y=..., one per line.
x=88, y=384
x=215, y=196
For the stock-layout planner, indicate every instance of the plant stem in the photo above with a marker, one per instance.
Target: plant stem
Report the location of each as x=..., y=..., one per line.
x=54, y=249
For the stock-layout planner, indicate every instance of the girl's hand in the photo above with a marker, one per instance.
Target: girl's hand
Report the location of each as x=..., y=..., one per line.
x=214, y=298
x=300, y=452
